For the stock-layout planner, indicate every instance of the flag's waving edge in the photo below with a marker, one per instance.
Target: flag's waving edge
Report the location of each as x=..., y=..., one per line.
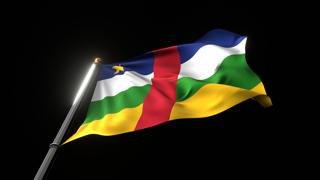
x=194, y=80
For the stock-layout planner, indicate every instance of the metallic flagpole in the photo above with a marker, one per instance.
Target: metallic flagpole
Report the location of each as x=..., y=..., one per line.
x=57, y=141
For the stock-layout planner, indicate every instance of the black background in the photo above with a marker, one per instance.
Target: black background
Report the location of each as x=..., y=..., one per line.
x=54, y=45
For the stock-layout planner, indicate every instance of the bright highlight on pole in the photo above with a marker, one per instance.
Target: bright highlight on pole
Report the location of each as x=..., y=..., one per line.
x=85, y=81
x=57, y=140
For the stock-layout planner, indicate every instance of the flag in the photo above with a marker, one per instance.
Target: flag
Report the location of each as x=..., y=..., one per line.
x=193, y=80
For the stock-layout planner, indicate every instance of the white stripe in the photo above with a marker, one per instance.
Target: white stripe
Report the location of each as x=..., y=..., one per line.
x=207, y=60
x=202, y=65
x=119, y=83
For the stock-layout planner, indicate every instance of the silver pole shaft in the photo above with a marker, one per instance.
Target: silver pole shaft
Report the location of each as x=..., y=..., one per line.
x=64, y=127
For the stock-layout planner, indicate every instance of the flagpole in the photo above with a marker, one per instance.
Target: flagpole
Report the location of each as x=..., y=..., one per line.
x=57, y=141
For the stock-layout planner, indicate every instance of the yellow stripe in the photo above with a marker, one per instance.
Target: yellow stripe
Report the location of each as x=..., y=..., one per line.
x=262, y=97
x=111, y=124
x=212, y=99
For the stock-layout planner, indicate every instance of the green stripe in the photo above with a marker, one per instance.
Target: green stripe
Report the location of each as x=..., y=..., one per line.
x=132, y=97
x=233, y=71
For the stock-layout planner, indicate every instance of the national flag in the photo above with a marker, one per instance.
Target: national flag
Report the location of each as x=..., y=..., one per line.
x=193, y=80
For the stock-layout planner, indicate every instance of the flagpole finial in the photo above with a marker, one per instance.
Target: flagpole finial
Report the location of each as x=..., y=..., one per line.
x=97, y=60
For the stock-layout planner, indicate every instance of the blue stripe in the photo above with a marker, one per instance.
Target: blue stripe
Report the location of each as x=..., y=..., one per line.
x=216, y=37
x=141, y=64
x=221, y=37
x=144, y=64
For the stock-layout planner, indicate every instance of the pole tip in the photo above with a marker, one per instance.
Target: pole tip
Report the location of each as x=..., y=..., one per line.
x=97, y=60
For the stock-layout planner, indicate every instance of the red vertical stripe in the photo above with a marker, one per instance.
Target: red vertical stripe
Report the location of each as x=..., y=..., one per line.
x=162, y=96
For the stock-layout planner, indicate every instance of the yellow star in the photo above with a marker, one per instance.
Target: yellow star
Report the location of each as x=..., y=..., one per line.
x=118, y=69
